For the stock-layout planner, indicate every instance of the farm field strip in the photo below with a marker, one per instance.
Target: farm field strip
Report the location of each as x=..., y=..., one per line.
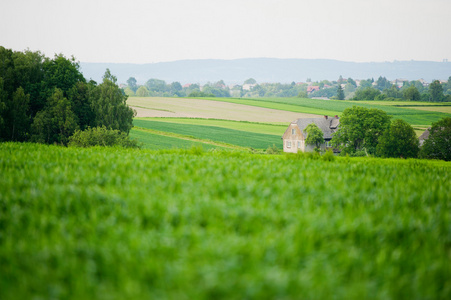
x=111, y=223
x=207, y=109
x=219, y=134
x=266, y=128
x=331, y=107
x=157, y=140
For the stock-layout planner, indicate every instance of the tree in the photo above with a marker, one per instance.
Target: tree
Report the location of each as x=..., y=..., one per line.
x=110, y=107
x=142, y=92
x=156, y=85
x=56, y=123
x=360, y=129
x=438, y=145
x=80, y=97
x=18, y=116
x=315, y=135
x=131, y=82
x=398, y=140
x=382, y=83
x=411, y=93
x=250, y=81
x=367, y=93
x=340, y=93
x=436, y=91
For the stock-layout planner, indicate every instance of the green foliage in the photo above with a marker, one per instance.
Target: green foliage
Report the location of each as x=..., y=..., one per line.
x=328, y=155
x=132, y=84
x=360, y=128
x=340, y=93
x=398, y=140
x=412, y=94
x=45, y=100
x=133, y=224
x=273, y=149
x=250, y=81
x=110, y=106
x=438, y=145
x=366, y=93
x=196, y=94
x=142, y=92
x=315, y=135
x=56, y=122
x=436, y=91
x=101, y=136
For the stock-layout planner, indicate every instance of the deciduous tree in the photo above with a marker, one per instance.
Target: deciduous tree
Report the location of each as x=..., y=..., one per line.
x=398, y=140
x=360, y=129
x=315, y=135
x=438, y=145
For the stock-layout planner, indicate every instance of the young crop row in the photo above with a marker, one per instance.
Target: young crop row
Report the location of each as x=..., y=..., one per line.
x=214, y=133
x=119, y=224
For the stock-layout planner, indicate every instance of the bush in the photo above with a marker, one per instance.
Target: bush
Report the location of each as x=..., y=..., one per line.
x=272, y=149
x=101, y=136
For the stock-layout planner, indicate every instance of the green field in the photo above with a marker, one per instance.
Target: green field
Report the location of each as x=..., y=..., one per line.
x=336, y=107
x=110, y=223
x=214, y=133
x=154, y=141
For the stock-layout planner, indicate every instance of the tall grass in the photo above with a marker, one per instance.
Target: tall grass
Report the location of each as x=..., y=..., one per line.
x=116, y=223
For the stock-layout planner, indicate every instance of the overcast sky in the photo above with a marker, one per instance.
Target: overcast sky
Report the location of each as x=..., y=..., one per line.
x=139, y=31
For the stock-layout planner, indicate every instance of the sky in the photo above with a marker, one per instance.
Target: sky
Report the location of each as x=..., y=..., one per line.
x=139, y=31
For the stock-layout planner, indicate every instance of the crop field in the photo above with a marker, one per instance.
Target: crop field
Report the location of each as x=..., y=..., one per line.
x=336, y=107
x=282, y=110
x=214, y=133
x=208, y=109
x=110, y=223
x=154, y=141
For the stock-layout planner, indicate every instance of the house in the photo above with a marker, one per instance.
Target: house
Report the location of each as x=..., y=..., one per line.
x=312, y=88
x=295, y=135
x=424, y=136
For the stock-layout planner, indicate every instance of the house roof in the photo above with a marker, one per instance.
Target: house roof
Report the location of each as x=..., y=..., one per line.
x=424, y=135
x=328, y=126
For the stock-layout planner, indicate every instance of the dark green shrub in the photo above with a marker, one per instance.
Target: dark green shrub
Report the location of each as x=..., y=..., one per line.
x=101, y=136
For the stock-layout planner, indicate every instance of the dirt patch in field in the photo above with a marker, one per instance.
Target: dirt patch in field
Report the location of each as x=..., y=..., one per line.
x=198, y=108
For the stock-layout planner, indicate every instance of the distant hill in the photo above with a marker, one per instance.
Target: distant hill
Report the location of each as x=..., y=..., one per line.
x=267, y=70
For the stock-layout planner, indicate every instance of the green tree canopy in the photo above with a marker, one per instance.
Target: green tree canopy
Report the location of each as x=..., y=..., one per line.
x=340, y=93
x=315, y=135
x=131, y=82
x=142, y=92
x=411, y=93
x=250, y=81
x=398, y=140
x=438, y=145
x=360, y=129
x=367, y=93
x=436, y=91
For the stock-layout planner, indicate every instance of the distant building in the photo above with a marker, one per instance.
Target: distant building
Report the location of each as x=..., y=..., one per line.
x=295, y=135
x=248, y=87
x=312, y=88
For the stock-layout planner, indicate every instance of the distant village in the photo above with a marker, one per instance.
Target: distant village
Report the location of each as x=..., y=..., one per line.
x=342, y=88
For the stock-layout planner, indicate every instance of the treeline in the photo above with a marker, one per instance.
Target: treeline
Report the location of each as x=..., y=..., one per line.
x=369, y=89
x=382, y=89
x=47, y=100
x=366, y=131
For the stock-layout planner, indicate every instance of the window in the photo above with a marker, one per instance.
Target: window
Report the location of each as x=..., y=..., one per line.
x=288, y=144
x=293, y=131
x=299, y=144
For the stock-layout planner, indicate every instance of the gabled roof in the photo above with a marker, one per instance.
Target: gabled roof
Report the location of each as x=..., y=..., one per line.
x=424, y=135
x=328, y=126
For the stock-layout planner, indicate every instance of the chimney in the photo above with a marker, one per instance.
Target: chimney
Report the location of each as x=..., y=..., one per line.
x=326, y=117
x=336, y=116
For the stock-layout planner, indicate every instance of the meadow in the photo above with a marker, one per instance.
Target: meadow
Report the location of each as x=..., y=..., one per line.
x=111, y=223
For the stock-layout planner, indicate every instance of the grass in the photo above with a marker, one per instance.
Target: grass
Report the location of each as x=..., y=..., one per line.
x=109, y=223
x=219, y=134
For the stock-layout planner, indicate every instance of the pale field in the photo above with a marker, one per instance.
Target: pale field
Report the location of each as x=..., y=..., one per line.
x=443, y=109
x=208, y=109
